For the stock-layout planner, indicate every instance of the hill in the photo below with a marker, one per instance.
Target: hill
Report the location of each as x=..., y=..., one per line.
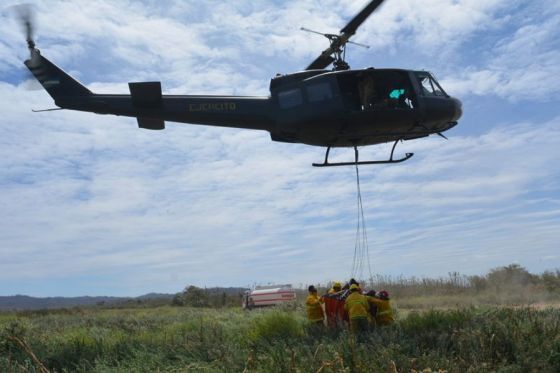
x=24, y=302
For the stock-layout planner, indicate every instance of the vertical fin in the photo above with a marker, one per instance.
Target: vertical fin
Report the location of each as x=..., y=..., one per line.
x=55, y=81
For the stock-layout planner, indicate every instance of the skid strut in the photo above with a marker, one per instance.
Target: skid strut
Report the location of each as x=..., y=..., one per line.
x=357, y=162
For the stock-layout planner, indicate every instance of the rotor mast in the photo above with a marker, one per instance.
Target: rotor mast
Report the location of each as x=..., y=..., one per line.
x=336, y=52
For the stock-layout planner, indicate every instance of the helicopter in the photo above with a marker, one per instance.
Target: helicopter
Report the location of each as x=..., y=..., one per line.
x=332, y=108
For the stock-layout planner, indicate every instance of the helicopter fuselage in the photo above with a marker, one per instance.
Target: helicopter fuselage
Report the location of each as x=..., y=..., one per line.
x=314, y=107
x=360, y=107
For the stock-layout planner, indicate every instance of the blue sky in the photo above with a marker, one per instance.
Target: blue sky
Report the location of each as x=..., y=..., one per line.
x=92, y=205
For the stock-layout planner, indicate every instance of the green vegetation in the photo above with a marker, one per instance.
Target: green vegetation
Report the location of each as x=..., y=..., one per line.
x=444, y=324
x=512, y=285
x=198, y=339
x=193, y=296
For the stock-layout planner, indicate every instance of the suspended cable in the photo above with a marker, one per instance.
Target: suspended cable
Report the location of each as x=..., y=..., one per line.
x=361, y=247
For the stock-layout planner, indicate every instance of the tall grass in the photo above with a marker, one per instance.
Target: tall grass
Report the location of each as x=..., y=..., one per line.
x=279, y=340
x=509, y=285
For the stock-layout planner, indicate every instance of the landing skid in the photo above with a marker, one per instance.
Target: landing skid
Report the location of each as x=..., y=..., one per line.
x=357, y=162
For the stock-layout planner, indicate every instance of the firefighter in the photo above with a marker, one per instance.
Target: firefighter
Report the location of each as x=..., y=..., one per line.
x=337, y=286
x=353, y=281
x=384, y=314
x=357, y=307
x=372, y=306
x=334, y=305
x=314, y=309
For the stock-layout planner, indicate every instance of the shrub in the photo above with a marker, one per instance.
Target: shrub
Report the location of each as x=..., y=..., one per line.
x=274, y=326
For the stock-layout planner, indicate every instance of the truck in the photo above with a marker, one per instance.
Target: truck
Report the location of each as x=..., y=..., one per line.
x=263, y=296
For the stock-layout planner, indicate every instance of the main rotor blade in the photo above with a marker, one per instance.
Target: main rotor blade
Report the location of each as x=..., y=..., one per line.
x=321, y=62
x=353, y=25
x=339, y=41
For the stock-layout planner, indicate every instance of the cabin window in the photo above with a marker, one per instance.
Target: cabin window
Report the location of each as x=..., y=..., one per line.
x=348, y=87
x=290, y=98
x=429, y=86
x=319, y=92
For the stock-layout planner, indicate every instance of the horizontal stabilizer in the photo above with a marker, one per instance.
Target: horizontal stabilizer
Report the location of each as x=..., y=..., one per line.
x=146, y=94
x=151, y=124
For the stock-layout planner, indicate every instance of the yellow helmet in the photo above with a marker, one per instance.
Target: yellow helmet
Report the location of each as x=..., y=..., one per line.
x=337, y=285
x=354, y=287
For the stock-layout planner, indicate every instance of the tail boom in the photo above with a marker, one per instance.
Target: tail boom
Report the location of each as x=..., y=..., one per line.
x=148, y=105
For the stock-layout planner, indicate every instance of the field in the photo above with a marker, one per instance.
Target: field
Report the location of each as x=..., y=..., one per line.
x=447, y=331
x=186, y=339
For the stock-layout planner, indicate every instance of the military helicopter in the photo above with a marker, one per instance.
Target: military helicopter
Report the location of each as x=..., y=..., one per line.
x=337, y=107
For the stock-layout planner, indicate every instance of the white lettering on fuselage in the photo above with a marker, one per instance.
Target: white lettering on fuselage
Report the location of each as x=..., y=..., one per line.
x=217, y=106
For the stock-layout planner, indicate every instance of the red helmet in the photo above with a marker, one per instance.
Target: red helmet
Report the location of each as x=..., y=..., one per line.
x=383, y=294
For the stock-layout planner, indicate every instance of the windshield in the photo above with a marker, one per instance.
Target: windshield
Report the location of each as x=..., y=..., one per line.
x=428, y=85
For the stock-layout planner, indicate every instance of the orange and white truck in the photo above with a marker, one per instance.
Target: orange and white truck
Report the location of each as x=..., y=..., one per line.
x=263, y=296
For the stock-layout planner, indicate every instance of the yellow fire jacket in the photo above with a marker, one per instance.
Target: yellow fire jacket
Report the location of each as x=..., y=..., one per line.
x=314, y=309
x=384, y=314
x=357, y=306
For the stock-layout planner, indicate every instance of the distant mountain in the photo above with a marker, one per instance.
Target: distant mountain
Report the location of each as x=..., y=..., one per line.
x=24, y=302
x=151, y=296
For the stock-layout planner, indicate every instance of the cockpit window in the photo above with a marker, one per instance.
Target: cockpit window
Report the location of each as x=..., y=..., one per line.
x=290, y=98
x=385, y=90
x=319, y=92
x=429, y=86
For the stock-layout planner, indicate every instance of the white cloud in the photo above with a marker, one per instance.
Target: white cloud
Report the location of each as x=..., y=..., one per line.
x=433, y=25
x=522, y=66
x=86, y=195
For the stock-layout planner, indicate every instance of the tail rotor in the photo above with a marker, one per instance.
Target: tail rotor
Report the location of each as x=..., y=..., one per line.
x=25, y=14
x=54, y=80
